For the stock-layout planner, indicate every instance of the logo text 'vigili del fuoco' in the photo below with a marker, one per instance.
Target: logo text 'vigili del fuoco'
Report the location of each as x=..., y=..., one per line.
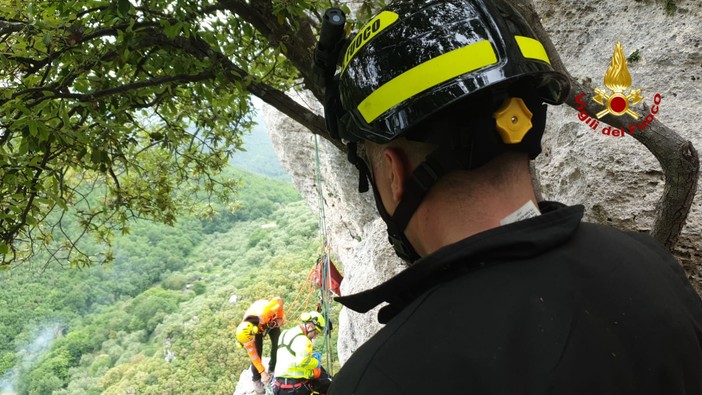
x=617, y=98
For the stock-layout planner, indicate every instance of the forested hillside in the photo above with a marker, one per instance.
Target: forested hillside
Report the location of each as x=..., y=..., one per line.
x=159, y=319
x=258, y=155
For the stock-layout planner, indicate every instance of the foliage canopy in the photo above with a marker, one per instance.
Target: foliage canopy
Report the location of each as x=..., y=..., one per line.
x=130, y=100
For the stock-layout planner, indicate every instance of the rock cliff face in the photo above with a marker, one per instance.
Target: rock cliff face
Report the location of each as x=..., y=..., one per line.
x=355, y=232
x=616, y=178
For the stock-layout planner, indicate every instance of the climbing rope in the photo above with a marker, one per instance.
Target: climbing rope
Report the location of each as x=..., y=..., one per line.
x=296, y=307
x=325, y=297
x=318, y=182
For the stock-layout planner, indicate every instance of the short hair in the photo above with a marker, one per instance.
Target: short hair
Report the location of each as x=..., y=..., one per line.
x=497, y=173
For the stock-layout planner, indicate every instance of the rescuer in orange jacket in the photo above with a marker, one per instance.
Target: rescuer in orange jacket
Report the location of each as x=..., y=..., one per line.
x=263, y=317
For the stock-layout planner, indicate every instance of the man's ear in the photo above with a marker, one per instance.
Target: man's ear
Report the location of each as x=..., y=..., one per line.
x=398, y=170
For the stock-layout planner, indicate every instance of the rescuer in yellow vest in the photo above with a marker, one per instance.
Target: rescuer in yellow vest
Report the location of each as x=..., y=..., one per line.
x=299, y=370
x=262, y=318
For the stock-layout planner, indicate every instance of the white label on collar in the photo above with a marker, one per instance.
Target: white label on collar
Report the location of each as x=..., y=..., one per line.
x=528, y=210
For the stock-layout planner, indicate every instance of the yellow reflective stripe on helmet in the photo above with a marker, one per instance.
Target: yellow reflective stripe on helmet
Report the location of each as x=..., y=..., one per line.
x=426, y=75
x=532, y=49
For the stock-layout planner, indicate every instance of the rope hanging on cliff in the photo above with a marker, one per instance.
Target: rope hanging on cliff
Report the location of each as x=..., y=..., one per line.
x=323, y=266
x=306, y=289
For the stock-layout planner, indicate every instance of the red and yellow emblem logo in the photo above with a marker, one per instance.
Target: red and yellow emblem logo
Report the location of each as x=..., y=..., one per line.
x=617, y=80
x=616, y=99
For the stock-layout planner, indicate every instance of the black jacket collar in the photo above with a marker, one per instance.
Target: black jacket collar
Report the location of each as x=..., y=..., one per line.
x=518, y=240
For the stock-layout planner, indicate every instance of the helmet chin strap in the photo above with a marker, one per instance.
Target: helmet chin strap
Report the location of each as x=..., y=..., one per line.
x=416, y=188
x=396, y=229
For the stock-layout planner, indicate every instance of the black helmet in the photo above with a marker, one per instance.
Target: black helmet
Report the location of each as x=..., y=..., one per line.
x=474, y=66
x=417, y=58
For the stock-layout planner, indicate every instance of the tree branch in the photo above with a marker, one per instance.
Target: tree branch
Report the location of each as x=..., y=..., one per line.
x=199, y=48
x=315, y=123
x=298, y=42
x=81, y=39
x=87, y=97
x=7, y=27
x=30, y=193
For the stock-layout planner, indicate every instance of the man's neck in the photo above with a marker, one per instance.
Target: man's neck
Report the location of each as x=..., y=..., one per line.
x=439, y=222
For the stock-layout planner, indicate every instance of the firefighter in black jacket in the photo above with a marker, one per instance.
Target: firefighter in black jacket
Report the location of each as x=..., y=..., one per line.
x=441, y=105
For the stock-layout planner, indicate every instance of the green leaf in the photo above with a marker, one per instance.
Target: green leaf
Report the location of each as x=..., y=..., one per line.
x=43, y=201
x=173, y=30
x=123, y=6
